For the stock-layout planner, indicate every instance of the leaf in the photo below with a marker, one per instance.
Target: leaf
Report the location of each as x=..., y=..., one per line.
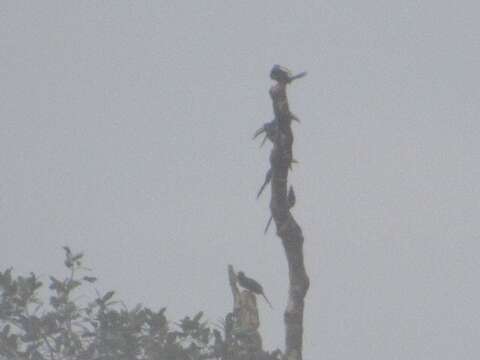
x=6, y=330
x=90, y=279
x=12, y=342
x=73, y=284
x=68, y=252
x=198, y=316
x=68, y=257
x=56, y=284
x=77, y=257
x=107, y=296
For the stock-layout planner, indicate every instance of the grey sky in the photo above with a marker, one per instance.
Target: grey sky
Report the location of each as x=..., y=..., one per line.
x=126, y=133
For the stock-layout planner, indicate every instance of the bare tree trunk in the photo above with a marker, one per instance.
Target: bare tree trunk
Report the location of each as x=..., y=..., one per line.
x=287, y=228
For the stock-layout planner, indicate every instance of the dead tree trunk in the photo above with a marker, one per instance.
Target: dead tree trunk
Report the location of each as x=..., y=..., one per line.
x=279, y=131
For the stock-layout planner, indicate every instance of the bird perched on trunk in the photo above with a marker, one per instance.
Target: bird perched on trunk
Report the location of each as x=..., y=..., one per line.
x=270, y=129
x=284, y=75
x=291, y=198
x=268, y=178
x=252, y=286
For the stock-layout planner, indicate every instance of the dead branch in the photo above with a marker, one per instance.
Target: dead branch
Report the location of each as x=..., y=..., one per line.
x=287, y=228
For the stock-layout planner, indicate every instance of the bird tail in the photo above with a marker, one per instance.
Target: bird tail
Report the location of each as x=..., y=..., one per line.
x=262, y=188
x=268, y=178
x=298, y=76
x=268, y=301
x=258, y=132
x=268, y=225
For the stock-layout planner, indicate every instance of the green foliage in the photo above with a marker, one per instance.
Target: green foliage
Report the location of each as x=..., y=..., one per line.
x=102, y=329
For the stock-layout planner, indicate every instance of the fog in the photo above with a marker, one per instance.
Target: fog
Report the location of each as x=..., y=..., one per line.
x=126, y=134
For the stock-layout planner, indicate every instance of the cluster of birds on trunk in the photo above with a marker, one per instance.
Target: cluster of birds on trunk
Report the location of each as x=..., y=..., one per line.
x=276, y=130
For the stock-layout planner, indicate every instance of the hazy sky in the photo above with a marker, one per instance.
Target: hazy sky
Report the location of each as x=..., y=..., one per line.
x=126, y=133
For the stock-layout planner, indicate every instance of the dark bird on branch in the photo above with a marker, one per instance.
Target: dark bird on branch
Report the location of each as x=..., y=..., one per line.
x=291, y=198
x=270, y=129
x=252, y=286
x=268, y=178
x=284, y=75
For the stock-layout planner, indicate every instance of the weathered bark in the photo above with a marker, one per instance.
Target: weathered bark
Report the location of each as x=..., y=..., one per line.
x=287, y=228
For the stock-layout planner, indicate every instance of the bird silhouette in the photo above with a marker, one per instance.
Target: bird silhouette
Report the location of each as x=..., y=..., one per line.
x=252, y=286
x=271, y=131
x=268, y=178
x=291, y=198
x=282, y=74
